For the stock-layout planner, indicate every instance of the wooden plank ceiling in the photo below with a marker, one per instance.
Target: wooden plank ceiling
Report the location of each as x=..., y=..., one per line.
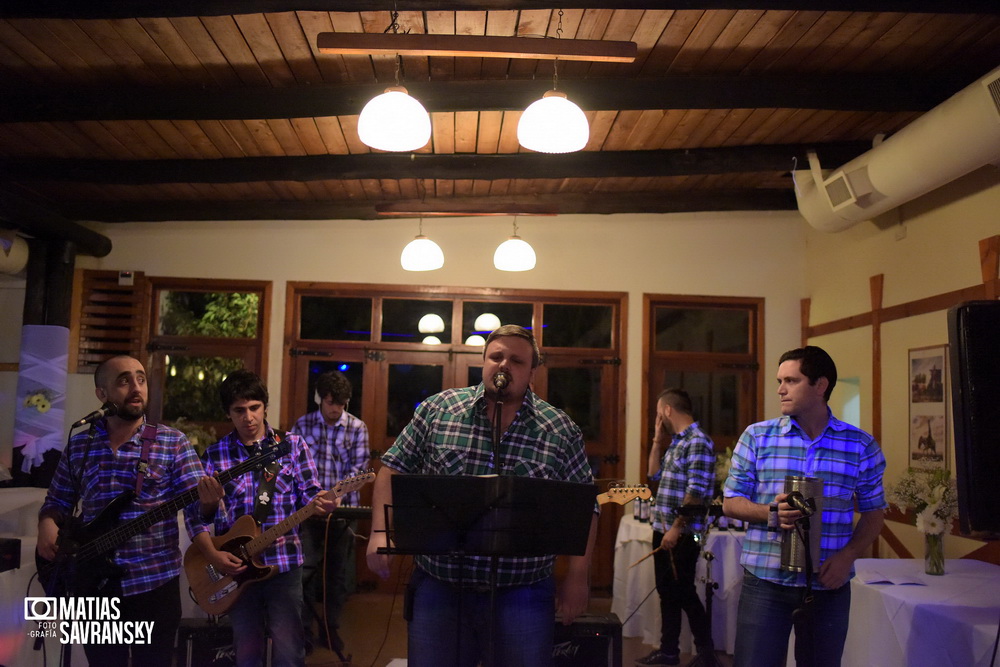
x=167, y=110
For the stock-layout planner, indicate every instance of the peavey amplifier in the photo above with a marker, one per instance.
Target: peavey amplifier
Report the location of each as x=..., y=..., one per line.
x=593, y=640
x=207, y=643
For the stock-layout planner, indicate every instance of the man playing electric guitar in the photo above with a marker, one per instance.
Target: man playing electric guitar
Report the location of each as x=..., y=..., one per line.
x=270, y=497
x=96, y=468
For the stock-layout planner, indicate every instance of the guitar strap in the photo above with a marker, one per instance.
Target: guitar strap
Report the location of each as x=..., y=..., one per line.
x=264, y=498
x=148, y=437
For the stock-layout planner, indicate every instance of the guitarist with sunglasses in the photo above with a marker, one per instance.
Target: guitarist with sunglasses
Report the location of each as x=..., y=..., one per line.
x=97, y=466
x=270, y=607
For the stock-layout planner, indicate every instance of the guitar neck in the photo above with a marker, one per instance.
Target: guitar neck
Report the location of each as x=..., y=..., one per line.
x=267, y=538
x=126, y=531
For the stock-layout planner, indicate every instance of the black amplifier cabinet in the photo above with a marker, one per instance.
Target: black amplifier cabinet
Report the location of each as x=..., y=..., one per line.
x=206, y=643
x=593, y=640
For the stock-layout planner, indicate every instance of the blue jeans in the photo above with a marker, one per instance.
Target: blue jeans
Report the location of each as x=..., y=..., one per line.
x=449, y=627
x=274, y=604
x=765, y=623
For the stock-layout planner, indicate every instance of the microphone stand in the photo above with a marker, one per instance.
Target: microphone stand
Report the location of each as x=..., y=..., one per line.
x=707, y=659
x=491, y=648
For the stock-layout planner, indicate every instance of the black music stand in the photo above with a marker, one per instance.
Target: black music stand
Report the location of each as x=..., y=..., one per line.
x=490, y=516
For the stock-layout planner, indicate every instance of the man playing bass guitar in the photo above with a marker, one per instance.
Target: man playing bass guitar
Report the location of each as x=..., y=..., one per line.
x=96, y=468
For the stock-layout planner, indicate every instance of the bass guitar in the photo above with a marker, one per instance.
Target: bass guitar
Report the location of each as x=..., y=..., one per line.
x=84, y=557
x=214, y=591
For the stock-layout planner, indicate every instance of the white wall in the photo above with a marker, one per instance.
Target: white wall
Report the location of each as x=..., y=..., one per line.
x=739, y=254
x=937, y=252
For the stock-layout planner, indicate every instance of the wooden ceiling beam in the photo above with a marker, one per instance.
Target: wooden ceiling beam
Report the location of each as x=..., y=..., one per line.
x=584, y=164
x=571, y=203
x=859, y=92
x=475, y=46
x=111, y=9
x=42, y=221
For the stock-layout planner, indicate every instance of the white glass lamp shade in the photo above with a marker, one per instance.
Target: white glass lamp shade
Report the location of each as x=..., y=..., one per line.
x=431, y=340
x=514, y=254
x=475, y=339
x=394, y=121
x=421, y=254
x=553, y=124
x=487, y=322
x=430, y=323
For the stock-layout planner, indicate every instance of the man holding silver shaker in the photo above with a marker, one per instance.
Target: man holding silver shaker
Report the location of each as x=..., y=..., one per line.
x=796, y=481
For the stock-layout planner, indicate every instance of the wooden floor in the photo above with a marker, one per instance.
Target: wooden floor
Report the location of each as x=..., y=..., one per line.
x=374, y=632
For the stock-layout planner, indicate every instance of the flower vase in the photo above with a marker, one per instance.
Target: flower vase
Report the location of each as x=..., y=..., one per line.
x=934, y=553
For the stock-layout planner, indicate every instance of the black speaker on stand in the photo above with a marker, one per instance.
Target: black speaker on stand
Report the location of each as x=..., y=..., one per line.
x=974, y=339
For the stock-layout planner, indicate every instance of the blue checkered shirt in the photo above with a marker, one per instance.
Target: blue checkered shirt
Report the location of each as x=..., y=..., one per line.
x=339, y=451
x=848, y=460
x=687, y=468
x=451, y=434
x=89, y=471
x=295, y=487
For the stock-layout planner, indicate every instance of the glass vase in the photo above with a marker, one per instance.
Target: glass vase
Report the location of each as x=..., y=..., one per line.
x=934, y=554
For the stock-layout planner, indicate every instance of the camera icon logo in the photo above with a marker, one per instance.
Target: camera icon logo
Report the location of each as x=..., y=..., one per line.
x=40, y=609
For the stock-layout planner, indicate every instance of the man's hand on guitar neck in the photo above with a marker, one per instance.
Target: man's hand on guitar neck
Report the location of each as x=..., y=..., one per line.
x=326, y=502
x=48, y=533
x=210, y=493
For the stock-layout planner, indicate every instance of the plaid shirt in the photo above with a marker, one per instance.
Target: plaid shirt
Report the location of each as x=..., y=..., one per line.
x=295, y=487
x=687, y=468
x=451, y=434
x=339, y=451
x=847, y=459
x=89, y=471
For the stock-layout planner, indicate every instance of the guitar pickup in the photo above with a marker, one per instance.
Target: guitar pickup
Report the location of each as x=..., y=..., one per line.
x=223, y=592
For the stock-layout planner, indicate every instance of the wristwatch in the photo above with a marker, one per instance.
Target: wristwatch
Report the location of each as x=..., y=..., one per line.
x=772, y=516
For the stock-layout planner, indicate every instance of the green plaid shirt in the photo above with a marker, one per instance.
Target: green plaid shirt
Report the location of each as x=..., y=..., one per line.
x=451, y=434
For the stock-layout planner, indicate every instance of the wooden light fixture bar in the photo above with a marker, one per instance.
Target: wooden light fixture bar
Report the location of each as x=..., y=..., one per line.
x=475, y=46
x=440, y=208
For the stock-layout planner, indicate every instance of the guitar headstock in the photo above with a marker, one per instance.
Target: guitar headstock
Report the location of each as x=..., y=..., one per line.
x=352, y=483
x=271, y=451
x=624, y=493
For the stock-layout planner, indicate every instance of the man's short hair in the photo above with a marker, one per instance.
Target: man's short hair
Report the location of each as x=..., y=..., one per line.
x=678, y=399
x=242, y=385
x=101, y=372
x=334, y=385
x=814, y=363
x=517, y=332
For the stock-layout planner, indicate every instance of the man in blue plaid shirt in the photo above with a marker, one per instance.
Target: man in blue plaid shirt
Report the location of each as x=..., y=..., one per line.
x=97, y=466
x=807, y=441
x=682, y=460
x=451, y=434
x=338, y=442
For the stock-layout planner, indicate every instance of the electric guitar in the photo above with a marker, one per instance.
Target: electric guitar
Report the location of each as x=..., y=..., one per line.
x=84, y=561
x=214, y=591
x=623, y=494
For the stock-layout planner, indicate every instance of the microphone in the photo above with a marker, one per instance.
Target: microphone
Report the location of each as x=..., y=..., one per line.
x=109, y=409
x=796, y=500
x=501, y=380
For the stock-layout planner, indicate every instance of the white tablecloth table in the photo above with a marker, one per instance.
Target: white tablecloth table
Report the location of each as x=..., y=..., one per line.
x=950, y=621
x=631, y=586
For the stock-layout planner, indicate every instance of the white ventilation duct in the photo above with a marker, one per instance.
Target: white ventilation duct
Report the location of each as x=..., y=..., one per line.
x=954, y=138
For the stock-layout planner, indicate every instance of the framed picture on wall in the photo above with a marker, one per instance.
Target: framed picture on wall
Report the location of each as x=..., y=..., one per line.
x=929, y=407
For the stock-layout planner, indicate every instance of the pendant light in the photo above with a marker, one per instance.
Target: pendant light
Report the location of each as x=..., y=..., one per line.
x=421, y=254
x=514, y=254
x=394, y=121
x=553, y=124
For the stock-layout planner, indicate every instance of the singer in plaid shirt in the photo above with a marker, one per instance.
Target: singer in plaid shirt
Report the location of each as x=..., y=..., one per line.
x=451, y=434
